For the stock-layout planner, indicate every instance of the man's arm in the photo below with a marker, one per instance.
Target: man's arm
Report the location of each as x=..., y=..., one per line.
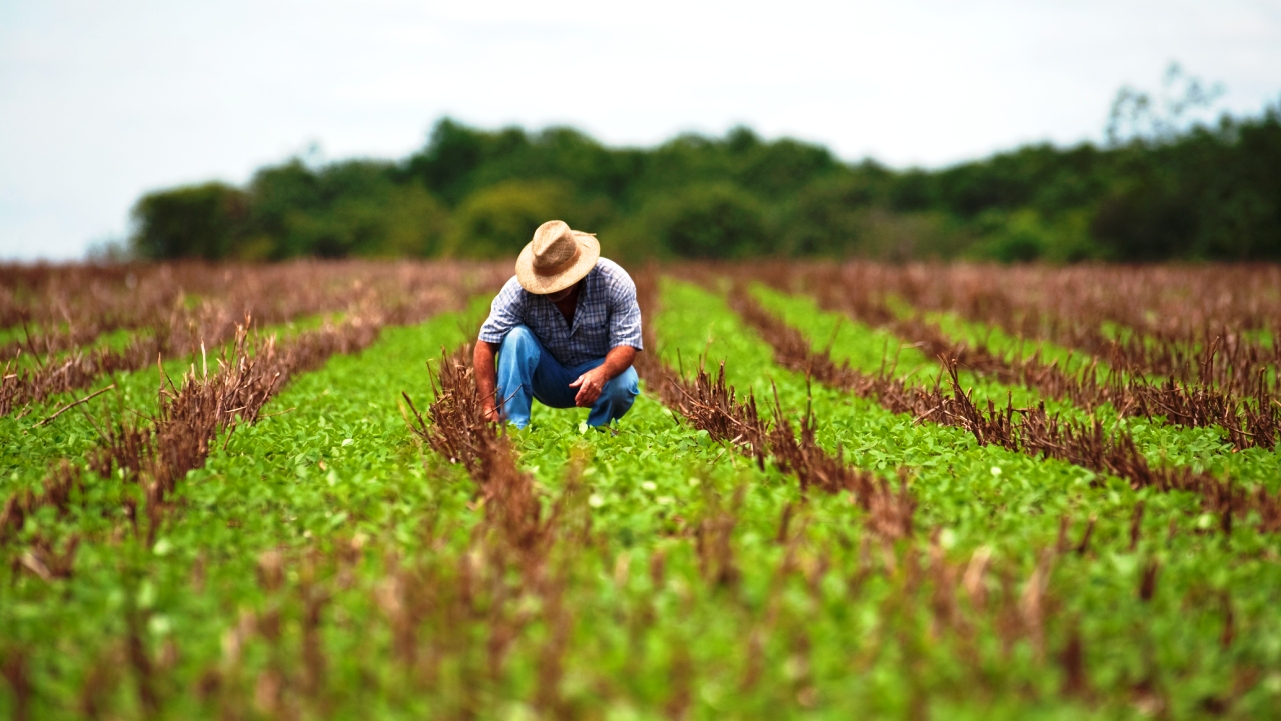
x=591, y=383
x=482, y=361
x=624, y=336
x=505, y=312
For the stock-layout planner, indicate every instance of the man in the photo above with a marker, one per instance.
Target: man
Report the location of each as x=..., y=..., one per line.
x=565, y=329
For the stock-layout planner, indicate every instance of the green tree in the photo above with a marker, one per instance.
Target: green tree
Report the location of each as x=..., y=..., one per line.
x=828, y=218
x=354, y=208
x=707, y=221
x=1161, y=190
x=498, y=221
x=198, y=221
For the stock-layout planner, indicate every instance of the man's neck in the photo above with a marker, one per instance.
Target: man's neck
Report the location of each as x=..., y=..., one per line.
x=569, y=304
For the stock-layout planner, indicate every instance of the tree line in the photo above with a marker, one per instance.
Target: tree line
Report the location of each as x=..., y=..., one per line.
x=1195, y=192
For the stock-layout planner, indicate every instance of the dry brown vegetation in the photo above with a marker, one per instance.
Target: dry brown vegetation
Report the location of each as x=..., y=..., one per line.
x=1027, y=430
x=521, y=545
x=535, y=598
x=1187, y=360
x=174, y=310
x=709, y=403
x=1068, y=306
x=156, y=452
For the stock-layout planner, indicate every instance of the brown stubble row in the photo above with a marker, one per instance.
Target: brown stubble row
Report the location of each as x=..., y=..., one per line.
x=456, y=429
x=1025, y=430
x=106, y=296
x=449, y=621
x=709, y=403
x=1224, y=383
x=403, y=293
x=958, y=593
x=1069, y=305
x=1201, y=325
x=90, y=300
x=155, y=453
x=516, y=570
x=60, y=308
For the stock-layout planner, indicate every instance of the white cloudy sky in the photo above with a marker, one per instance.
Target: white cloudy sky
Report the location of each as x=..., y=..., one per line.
x=102, y=101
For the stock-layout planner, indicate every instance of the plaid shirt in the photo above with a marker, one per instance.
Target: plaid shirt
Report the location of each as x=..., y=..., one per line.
x=607, y=316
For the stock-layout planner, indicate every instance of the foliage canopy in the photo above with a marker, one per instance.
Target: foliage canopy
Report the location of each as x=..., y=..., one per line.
x=1200, y=193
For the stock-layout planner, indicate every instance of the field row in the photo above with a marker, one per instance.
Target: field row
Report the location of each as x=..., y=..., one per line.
x=1224, y=379
x=811, y=552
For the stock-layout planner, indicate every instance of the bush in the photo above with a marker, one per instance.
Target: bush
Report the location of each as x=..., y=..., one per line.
x=1199, y=193
x=417, y=224
x=199, y=221
x=498, y=221
x=1024, y=236
x=706, y=221
x=394, y=222
x=829, y=217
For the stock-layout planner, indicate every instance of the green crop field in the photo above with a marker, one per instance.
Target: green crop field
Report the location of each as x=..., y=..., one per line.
x=846, y=491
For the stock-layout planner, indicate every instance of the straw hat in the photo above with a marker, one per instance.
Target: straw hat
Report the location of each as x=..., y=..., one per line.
x=556, y=258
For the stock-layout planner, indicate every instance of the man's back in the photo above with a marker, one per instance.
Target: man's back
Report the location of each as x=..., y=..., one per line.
x=606, y=316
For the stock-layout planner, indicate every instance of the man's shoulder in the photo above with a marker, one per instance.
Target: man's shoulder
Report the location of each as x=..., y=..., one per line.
x=512, y=291
x=512, y=287
x=613, y=272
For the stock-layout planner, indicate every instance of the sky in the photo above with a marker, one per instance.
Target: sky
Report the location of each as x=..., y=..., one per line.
x=101, y=102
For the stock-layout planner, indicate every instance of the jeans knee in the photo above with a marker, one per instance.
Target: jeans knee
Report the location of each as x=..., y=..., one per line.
x=520, y=345
x=518, y=337
x=623, y=388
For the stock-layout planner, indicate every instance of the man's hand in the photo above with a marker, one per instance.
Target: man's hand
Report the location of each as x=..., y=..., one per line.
x=590, y=385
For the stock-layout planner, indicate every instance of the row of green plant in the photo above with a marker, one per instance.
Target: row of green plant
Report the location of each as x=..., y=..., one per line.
x=322, y=564
x=985, y=496
x=868, y=349
x=31, y=443
x=336, y=458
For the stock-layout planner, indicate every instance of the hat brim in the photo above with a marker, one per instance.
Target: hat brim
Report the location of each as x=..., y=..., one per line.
x=588, y=254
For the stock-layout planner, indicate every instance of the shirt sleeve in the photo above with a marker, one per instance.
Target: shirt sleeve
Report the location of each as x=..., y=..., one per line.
x=506, y=312
x=624, y=314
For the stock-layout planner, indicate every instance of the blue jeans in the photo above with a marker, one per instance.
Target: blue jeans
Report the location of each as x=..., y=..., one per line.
x=527, y=371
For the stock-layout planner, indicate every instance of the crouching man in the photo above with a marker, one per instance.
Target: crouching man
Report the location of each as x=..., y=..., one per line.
x=565, y=330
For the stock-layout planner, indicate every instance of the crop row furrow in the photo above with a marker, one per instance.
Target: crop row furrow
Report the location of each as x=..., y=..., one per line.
x=156, y=453
x=1155, y=321
x=194, y=568
x=958, y=595
x=983, y=494
x=1026, y=430
x=403, y=295
x=1226, y=385
x=700, y=313
x=1202, y=449
x=1223, y=378
x=712, y=405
